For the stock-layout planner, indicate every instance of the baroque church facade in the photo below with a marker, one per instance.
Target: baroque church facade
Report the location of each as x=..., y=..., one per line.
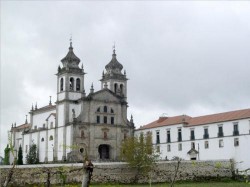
x=94, y=123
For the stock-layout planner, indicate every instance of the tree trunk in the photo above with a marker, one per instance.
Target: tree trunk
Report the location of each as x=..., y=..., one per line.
x=9, y=176
x=85, y=179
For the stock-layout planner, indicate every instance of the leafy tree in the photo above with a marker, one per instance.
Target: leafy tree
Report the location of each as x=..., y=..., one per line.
x=139, y=153
x=31, y=157
x=20, y=156
x=6, y=160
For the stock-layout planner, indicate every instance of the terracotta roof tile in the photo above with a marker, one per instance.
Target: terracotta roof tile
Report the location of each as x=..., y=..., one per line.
x=23, y=126
x=220, y=117
x=46, y=107
x=166, y=121
x=200, y=120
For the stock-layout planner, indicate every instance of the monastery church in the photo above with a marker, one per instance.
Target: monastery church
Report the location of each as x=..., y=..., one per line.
x=94, y=123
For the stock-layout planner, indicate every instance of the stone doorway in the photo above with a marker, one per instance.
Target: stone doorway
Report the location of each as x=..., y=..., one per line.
x=104, y=151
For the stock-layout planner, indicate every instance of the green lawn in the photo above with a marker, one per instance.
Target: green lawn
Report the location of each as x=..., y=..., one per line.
x=187, y=184
x=197, y=184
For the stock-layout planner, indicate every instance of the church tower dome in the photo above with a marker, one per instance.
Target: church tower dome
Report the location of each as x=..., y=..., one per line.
x=114, y=64
x=113, y=79
x=70, y=60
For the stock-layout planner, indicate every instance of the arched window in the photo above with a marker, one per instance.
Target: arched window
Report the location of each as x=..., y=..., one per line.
x=78, y=84
x=121, y=88
x=42, y=140
x=115, y=87
x=105, y=109
x=98, y=110
x=61, y=84
x=51, y=137
x=111, y=110
x=71, y=83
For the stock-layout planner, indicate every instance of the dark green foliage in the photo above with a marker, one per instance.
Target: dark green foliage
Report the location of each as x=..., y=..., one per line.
x=20, y=156
x=31, y=157
x=6, y=160
x=139, y=153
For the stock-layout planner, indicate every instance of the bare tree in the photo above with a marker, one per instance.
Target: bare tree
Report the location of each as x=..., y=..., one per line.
x=176, y=169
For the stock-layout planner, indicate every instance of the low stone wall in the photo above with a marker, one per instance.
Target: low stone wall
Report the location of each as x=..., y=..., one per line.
x=117, y=172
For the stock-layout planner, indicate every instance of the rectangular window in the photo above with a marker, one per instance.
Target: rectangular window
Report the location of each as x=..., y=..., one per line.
x=97, y=119
x=112, y=120
x=168, y=136
x=192, y=137
x=221, y=144
x=51, y=125
x=157, y=137
x=236, y=142
x=206, y=144
x=220, y=131
x=236, y=129
x=105, y=120
x=169, y=147
x=180, y=147
x=179, y=135
x=192, y=145
x=26, y=148
x=206, y=135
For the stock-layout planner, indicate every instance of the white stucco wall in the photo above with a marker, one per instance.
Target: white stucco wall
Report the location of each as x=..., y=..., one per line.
x=51, y=144
x=40, y=118
x=60, y=115
x=68, y=139
x=60, y=143
x=228, y=151
x=74, y=95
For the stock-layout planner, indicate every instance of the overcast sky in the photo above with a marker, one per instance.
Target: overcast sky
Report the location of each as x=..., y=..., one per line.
x=184, y=57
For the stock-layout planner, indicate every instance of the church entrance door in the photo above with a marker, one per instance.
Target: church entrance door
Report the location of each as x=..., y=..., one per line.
x=104, y=151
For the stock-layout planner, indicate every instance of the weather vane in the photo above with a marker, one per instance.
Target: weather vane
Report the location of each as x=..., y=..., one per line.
x=70, y=40
x=114, y=47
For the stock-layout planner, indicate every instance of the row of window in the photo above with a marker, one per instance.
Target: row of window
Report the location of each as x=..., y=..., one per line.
x=206, y=145
x=72, y=85
x=50, y=138
x=116, y=87
x=192, y=133
x=44, y=126
x=105, y=120
x=105, y=110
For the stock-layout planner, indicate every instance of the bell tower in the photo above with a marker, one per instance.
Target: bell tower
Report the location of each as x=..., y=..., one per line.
x=70, y=78
x=113, y=79
x=70, y=86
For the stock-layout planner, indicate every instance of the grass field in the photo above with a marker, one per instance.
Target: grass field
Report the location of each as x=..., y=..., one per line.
x=188, y=184
x=211, y=184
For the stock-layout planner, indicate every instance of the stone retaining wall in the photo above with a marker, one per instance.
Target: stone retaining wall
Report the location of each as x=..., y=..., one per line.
x=118, y=172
